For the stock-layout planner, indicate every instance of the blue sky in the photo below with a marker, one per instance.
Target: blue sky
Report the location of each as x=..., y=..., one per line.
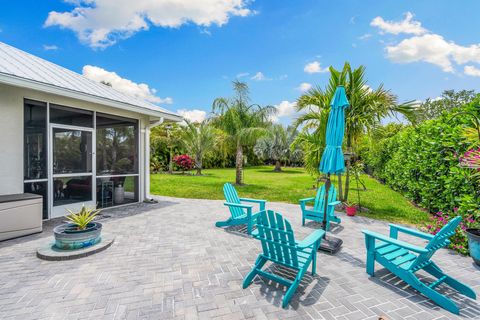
x=190, y=53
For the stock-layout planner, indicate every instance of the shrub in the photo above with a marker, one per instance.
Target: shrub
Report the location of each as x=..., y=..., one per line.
x=424, y=164
x=184, y=162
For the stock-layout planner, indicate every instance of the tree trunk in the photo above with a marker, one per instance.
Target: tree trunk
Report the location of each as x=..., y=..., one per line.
x=340, y=187
x=239, y=165
x=198, y=164
x=278, y=166
x=170, y=164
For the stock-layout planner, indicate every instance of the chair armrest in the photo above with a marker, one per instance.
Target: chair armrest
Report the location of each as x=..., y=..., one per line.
x=306, y=200
x=238, y=205
x=311, y=239
x=394, y=228
x=403, y=244
x=253, y=200
x=334, y=203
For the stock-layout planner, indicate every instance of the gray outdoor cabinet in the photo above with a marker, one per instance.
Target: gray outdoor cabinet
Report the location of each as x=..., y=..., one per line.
x=20, y=215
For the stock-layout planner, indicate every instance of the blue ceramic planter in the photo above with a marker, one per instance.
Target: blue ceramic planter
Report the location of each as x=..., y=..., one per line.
x=474, y=244
x=68, y=238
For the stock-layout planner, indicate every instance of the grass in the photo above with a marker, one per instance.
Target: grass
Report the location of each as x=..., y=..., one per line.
x=288, y=186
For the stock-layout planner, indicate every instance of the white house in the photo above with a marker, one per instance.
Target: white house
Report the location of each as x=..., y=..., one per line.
x=70, y=139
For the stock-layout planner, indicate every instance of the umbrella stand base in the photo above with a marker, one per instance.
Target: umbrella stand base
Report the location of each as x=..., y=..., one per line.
x=330, y=244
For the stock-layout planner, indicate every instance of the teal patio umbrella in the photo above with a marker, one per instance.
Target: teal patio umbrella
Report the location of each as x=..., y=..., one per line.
x=332, y=161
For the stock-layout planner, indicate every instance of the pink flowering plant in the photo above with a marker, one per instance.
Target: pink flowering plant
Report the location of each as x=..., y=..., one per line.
x=470, y=217
x=471, y=159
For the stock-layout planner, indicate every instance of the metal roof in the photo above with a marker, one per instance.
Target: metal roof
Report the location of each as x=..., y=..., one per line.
x=20, y=68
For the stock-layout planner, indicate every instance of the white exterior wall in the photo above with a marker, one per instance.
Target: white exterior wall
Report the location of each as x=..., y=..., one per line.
x=11, y=133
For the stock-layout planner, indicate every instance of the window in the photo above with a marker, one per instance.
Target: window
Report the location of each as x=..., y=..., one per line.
x=72, y=151
x=117, y=160
x=35, y=140
x=71, y=190
x=71, y=116
x=117, y=145
x=35, y=150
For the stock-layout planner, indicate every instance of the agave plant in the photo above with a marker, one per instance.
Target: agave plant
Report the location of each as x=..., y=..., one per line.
x=83, y=217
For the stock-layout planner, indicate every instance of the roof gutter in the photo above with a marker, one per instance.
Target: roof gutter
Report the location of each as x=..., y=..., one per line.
x=35, y=85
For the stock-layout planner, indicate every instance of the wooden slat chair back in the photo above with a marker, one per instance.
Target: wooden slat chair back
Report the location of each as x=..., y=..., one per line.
x=316, y=213
x=241, y=213
x=405, y=259
x=231, y=196
x=440, y=240
x=279, y=246
x=277, y=238
x=320, y=197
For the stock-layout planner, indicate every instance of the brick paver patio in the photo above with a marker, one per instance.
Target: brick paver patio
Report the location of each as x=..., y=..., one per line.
x=169, y=261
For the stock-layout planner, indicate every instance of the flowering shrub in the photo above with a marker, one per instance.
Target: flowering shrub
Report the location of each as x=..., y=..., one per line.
x=470, y=219
x=184, y=162
x=471, y=159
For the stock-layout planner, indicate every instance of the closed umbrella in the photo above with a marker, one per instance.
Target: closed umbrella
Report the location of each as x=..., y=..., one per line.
x=332, y=158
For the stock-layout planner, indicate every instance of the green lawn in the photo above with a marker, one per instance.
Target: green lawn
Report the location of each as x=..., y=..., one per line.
x=288, y=186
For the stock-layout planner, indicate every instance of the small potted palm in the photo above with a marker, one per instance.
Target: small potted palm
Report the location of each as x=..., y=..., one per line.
x=80, y=231
x=350, y=208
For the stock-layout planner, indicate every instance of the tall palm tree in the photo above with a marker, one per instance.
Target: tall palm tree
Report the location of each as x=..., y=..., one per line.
x=198, y=140
x=367, y=107
x=242, y=122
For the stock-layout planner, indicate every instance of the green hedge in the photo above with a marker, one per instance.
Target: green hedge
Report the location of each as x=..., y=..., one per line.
x=422, y=162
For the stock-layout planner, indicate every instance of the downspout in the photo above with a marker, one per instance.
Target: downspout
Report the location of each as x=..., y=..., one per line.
x=147, y=158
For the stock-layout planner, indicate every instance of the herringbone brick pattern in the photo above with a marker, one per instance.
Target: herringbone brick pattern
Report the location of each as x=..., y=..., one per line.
x=170, y=262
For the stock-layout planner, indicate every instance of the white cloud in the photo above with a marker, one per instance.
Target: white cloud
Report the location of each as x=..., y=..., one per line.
x=426, y=46
x=138, y=90
x=50, y=47
x=434, y=49
x=471, y=71
x=101, y=23
x=259, y=76
x=314, y=67
x=194, y=115
x=407, y=25
x=365, y=36
x=304, y=86
x=242, y=74
x=284, y=109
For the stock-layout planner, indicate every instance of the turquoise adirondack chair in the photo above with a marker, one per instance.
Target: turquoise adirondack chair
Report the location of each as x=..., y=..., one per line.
x=279, y=246
x=316, y=213
x=405, y=259
x=240, y=213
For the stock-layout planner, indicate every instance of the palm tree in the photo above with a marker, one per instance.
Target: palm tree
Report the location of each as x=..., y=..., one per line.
x=367, y=107
x=276, y=146
x=273, y=147
x=243, y=123
x=198, y=140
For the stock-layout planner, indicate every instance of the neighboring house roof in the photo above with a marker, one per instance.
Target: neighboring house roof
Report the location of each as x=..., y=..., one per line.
x=20, y=68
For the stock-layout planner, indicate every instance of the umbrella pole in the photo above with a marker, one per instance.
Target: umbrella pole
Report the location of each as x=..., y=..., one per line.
x=329, y=244
x=328, y=183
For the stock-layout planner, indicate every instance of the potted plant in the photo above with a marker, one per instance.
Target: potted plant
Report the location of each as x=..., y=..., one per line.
x=473, y=235
x=350, y=208
x=79, y=231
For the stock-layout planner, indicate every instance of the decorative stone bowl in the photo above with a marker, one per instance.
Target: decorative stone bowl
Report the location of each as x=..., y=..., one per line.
x=68, y=237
